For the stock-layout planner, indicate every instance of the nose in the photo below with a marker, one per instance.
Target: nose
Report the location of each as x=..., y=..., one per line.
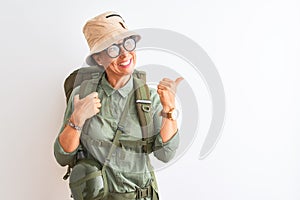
x=123, y=53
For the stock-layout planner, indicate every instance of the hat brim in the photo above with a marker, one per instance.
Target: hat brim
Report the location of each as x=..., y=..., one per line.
x=107, y=41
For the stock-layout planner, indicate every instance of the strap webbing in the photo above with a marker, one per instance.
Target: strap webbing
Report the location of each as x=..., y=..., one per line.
x=89, y=86
x=143, y=106
x=145, y=116
x=115, y=143
x=140, y=193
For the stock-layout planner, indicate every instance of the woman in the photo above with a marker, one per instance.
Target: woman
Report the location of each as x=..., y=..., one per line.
x=92, y=123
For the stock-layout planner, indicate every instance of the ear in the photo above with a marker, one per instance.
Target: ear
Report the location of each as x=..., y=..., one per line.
x=97, y=59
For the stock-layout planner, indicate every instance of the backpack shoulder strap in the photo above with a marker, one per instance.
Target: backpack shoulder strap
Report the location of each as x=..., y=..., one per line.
x=90, y=85
x=140, y=75
x=78, y=76
x=144, y=109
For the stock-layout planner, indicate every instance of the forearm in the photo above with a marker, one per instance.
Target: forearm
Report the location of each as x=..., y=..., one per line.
x=168, y=140
x=168, y=128
x=66, y=145
x=69, y=138
x=166, y=90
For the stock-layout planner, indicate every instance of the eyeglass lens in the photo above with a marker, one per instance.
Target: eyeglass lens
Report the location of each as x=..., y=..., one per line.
x=114, y=50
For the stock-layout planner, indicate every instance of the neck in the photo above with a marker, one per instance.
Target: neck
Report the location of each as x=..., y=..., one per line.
x=117, y=81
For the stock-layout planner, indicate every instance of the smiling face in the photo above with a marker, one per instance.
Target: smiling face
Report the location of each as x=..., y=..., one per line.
x=115, y=68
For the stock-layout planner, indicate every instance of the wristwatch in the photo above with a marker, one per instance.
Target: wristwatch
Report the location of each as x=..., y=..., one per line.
x=172, y=114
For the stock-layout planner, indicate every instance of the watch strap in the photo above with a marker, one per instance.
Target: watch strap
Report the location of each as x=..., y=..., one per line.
x=167, y=115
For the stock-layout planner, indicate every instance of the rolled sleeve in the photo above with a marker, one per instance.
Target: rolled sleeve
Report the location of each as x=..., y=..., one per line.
x=165, y=151
x=62, y=157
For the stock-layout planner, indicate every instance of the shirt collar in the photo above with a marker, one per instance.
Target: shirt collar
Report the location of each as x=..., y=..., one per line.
x=109, y=90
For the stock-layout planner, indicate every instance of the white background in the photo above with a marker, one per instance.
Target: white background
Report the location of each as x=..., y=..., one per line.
x=255, y=46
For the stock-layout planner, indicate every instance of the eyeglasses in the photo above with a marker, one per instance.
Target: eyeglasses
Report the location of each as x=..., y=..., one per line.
x=128, y=44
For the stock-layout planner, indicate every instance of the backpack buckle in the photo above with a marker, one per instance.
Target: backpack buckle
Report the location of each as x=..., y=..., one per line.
x=143, y=192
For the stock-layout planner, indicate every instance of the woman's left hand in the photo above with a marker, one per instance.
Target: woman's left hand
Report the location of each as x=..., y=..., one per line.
x=166, y=90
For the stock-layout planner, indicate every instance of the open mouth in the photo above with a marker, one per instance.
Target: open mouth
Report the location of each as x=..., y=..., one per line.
x=125, y=64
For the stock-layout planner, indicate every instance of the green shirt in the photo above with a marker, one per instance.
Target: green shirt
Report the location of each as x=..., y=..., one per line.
x=128, y=166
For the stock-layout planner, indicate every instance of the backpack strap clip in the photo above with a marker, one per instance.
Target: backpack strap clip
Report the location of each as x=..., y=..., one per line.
x=146, y=108
x=145, y=104
x=143, y=192
x=67, y=175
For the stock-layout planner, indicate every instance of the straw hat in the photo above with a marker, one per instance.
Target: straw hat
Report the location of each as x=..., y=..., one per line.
x=103, y=30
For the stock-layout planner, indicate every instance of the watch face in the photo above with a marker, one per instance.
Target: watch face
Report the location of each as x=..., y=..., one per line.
x=175, y=114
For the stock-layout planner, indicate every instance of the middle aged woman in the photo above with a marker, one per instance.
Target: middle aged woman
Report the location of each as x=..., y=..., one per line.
x=128, y=174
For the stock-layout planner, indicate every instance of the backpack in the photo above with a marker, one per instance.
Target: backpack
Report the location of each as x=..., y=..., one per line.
x=88, y=78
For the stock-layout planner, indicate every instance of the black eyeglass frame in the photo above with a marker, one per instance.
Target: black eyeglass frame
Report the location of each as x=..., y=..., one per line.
x=134, y=38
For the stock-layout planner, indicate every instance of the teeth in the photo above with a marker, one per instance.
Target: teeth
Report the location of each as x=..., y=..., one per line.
x=125, y=63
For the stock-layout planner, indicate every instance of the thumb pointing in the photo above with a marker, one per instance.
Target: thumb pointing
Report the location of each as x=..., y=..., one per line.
x=178, y=80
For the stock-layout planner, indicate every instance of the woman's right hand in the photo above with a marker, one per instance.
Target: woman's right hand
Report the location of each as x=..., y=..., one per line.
x=85, y=108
